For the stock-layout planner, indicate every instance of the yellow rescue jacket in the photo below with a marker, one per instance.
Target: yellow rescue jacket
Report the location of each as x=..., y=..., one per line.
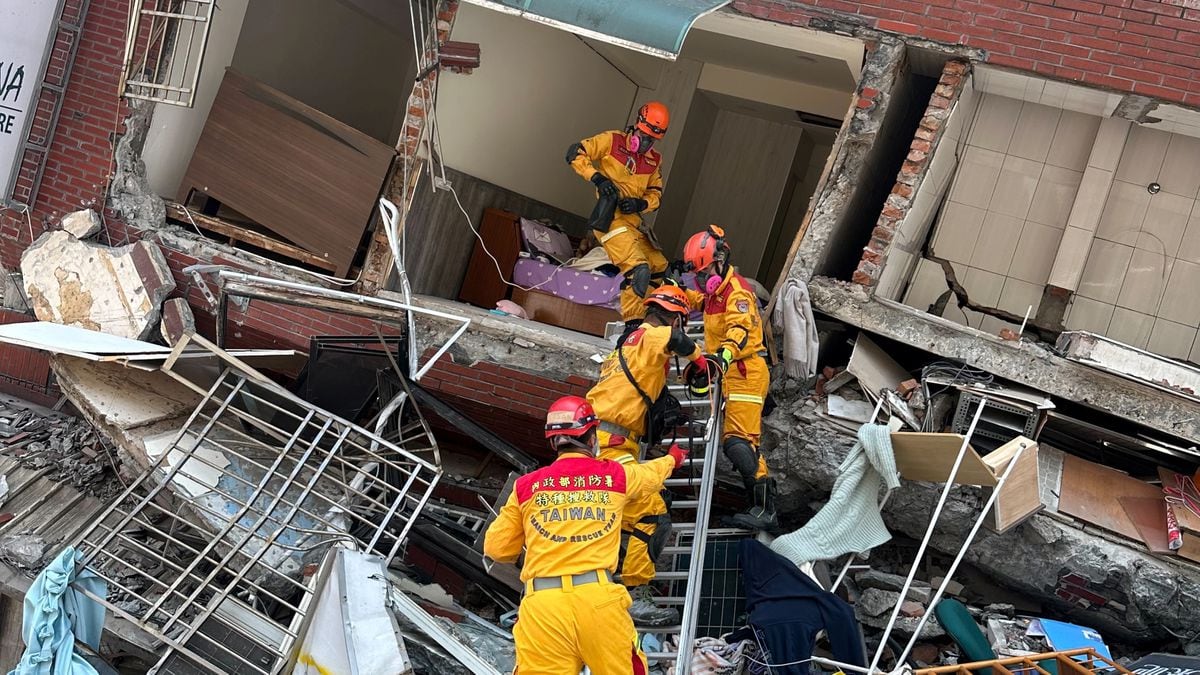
x=635, y=175
x=647, y=353
x=568, y=515
x=731, y=317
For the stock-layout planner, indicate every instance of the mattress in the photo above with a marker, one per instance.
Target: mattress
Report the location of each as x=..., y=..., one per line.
x=584, y=288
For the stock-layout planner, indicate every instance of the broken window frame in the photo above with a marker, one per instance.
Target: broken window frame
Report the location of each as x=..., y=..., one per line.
x=222, y=566
x=153, y=68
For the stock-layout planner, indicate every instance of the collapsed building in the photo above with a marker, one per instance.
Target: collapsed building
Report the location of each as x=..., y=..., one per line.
x=993, y=195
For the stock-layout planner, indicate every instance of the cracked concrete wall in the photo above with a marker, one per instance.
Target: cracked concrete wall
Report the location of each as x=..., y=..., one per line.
x=130, y=194
x=1157, y=595
x=848, y=162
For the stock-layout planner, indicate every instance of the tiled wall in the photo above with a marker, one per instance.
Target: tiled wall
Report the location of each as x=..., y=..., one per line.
x=913, y=231
x=1008, y=205
x=1141, y=281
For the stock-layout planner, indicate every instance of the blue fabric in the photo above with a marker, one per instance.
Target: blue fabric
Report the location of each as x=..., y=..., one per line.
x=56, y=613
x=788, y=609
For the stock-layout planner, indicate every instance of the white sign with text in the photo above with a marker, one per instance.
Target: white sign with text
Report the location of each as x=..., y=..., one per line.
x=26, y=34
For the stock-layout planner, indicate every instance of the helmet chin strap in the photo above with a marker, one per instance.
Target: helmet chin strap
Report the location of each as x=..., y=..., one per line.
x=564, y=443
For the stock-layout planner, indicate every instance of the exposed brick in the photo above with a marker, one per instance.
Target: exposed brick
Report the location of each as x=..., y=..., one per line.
x=862, y=278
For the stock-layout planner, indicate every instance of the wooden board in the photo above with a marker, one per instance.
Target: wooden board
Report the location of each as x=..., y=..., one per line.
x=930, y=457
x=483, y=284
x=1149, y=517
x=556, y=311
x=186, y=216
x=873, y=367
x=1092, y=493
x=1020, y=497
x=294, y=170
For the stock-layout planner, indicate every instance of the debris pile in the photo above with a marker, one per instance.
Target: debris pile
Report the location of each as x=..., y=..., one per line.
x=68, y=448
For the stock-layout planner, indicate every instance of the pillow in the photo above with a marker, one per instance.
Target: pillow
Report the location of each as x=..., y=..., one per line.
x=542, y=239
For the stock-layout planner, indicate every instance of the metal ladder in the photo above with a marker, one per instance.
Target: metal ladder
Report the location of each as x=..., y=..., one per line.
x=689, y=536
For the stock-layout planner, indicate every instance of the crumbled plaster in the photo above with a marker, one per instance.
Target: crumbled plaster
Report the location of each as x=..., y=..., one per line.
x=1160, y=595
x=1136, y=108
x=130, y=194
x=81, y=224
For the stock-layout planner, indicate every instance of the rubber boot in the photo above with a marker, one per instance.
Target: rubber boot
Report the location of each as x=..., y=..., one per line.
x=646, y=614
x=761, y=515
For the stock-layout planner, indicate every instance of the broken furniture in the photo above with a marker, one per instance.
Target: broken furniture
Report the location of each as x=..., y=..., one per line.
x=562, y=312
x=548, y=291
x=297, y=172
x=947, y=459
x=212, y=549
x=500, y=235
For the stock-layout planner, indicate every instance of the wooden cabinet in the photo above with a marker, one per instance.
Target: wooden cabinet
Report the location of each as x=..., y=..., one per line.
x=483, y=286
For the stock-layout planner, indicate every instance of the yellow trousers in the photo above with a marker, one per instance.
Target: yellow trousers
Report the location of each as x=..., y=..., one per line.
x=745, y=389
x=627, y=247
x=560, y=630
x=637, y=567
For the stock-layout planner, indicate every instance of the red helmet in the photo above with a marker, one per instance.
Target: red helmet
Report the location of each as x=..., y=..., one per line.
x=704, y=247
x=570, y=416
x=670, y=298
x=652, y=119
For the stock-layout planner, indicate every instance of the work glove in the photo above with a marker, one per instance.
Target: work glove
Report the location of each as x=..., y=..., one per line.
x=678, y=454
x=674, y=273
x=605, y=186
x=722, y=358
x=632, y=205
x=697, y=377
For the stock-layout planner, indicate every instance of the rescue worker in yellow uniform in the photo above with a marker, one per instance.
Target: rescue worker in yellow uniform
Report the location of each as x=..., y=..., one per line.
x=624, y=167
x=567, y=517
x=733, y=337
x=631, y=378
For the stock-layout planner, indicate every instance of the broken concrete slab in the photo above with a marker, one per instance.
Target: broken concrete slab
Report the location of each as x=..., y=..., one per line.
x=1024, y=363
x=874, y=608
x=919, y=591
x=112, y=290
x=81, y=224
x=177, y=320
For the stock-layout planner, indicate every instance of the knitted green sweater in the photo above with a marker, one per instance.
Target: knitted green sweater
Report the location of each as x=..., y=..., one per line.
x=850, y=521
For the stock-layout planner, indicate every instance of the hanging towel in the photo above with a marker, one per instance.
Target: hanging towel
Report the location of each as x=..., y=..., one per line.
x=850, y=521
x=56, y=614
x=800, y=345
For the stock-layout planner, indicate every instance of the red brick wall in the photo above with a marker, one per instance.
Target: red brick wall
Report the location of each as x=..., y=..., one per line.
x=1149, y=47
x=80, y=157
x=912, y=172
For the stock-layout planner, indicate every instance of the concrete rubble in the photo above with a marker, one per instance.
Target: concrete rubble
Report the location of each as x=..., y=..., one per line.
x=118, y=291
x=81, y=224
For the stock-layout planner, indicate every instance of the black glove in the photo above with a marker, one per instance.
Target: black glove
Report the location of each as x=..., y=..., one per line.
x=697, y=377
x=632, y=205
x=675, y=271
x=639, y=279
x=605, y=186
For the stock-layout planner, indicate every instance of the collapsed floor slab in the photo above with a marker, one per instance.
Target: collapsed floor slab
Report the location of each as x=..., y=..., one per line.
x=1151, y=596
x=1025, y=363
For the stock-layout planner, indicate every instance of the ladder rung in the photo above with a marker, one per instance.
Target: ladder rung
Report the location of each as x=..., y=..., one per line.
x=682, y=482
x=694, y=403
x=671, y=576
x=685, y=503
x=669, y=600
x=661, y=655
x=676, y=550
x=686, y=440
x=670, y=630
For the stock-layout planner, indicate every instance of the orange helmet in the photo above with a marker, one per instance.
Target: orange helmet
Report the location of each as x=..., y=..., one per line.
x=570, y=416
x=670, y=298
x=704, y=247
x=653, y=119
